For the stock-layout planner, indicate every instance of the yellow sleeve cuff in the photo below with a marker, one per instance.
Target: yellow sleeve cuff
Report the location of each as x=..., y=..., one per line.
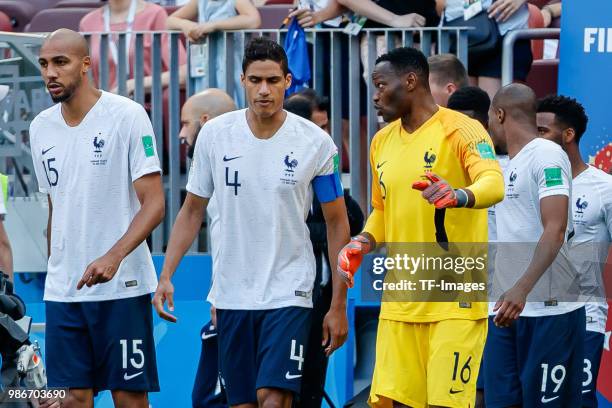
x=488, y=188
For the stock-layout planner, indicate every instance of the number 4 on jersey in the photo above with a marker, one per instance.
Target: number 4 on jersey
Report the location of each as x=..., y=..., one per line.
x=235, y=184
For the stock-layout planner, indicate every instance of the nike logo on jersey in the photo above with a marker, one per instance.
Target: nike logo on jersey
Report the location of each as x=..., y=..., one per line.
x=290, y=376
x=547, y=400
x=127, y=377
x=455, y=391
x=208, y=335
x=226, y=159
x=379, y=165
x=45, y=151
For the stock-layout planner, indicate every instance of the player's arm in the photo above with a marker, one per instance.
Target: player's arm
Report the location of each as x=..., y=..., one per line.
x=335, y=324
x=150, y=193
x=185, y=229
x=554, y=221
x=474, y=148
x=49, y=223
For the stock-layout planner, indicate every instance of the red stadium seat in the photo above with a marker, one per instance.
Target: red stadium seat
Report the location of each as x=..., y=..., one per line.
x=19, y=11
x=5, y=22
x=272, y=16
x=171, y=9
x=543, y=77
x=80, y=3
x=539, y=3
x=536, y=21
x=55, y=18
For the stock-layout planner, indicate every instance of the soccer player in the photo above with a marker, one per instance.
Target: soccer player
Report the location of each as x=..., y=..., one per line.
x=446, y=75
x=534, y=349
x=563, y=120
x=263, y=164
x=197, y=110
x=94, y=156
x=473, y=102
x=420, y=344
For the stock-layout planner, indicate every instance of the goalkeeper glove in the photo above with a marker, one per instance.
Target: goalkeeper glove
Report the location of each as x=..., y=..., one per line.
x=350, y=257
x=439, y=193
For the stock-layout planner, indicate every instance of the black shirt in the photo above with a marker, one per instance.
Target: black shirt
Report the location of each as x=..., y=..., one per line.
x=426, y=8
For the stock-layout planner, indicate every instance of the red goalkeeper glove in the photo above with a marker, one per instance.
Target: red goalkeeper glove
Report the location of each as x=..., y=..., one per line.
x=350, y=257
x=439, y=193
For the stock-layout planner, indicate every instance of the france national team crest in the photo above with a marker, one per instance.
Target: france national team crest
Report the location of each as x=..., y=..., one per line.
x=510, y=187
x=581, y=205
x=512, y=178
x=98, y=144
x=290, y=166
x=430, y=158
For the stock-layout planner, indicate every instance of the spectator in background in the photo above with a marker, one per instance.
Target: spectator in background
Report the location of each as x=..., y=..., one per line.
x=446, y=75
x=130, y=16
x=213, y=16
x=552, y=13
x=319, y=106
x=473, y=102
x=484, y=69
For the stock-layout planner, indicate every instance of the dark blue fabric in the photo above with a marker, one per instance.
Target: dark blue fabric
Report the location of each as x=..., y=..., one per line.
x=207, y=391
x=514, y=357
x=297, y=53
x=261, y=349
x=593, y=349
x=84, y=349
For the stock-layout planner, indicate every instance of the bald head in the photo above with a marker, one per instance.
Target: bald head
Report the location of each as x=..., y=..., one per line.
x=199, y=109
x=70, y=41
x=211, y=102
x=518, y=101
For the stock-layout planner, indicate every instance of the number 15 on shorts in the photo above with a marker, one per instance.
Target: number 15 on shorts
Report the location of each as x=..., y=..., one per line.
x=134, y=356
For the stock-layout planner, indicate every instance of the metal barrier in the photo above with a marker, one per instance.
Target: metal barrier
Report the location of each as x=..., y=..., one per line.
x=508, y=51
x=337, y=62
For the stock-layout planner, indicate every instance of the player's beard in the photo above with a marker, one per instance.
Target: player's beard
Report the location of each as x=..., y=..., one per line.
x=68, y=92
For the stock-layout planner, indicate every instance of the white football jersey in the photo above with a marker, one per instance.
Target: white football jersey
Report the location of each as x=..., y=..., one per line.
x=592, y=213
x=541, y=169
x=88, y=171
x=262, y=191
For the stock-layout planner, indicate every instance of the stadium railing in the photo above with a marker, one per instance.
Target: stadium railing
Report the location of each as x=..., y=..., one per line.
x=508, y=47
x=28, y=96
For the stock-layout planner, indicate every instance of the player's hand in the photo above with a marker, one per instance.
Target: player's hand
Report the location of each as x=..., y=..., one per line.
x=304, y=16
x=49, y=403
x=509, y=306
x=101, y=270
x=502, y=10
x=408, y=20
x=438, y=192
x=350, y=257
x=335, y=330
x=213, y=315
x=165, y=291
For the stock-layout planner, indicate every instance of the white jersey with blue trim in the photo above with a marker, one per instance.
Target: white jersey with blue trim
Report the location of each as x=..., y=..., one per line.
x=592, y=214
x=540, y=169
x=88, y=170
x=263, y=190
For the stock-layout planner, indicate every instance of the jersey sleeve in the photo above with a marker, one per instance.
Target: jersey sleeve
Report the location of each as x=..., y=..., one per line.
x=553, y=174
x=200, y=181
x=143, y=157
x=39, y=170
x=375, y=224
x=475, y=148
x=326, y=182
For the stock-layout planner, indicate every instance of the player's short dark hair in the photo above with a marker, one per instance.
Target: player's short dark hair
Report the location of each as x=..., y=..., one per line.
x=568, y=111
x=261, y=49
x=448, y=68
x=471, y=98
x=405, y=60
x=299, y=105
x=318, y=102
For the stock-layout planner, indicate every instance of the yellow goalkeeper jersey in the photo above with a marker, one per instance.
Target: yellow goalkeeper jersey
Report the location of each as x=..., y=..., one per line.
x=454, y=147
